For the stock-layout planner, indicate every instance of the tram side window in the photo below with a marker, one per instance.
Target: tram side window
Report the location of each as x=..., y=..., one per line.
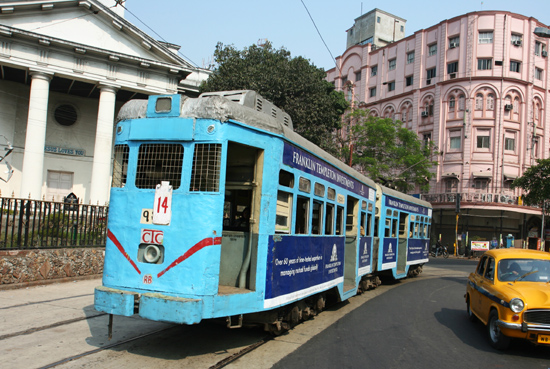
x=317, y=218
x=286, y=178
x=427, y=231
x=351, y=216
x=157, y=163
x=388, y=228
x=120, y=165
x=369, y=225
x=340, y=221
x=304, y=185
x=205, y=175
x=394, y=228
x=284, y=211
x=403, y=222
x=363, y=224
x=319, y=190
x=302, y=212
x=329, y=221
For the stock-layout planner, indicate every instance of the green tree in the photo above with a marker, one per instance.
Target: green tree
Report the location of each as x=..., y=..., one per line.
x=387, y=152
x=535, y=182
x=292, y=84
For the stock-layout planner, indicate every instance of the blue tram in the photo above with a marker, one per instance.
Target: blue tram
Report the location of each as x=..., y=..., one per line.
x=220, y=210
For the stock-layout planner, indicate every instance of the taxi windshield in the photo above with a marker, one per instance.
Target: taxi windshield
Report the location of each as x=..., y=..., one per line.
x=524, y=270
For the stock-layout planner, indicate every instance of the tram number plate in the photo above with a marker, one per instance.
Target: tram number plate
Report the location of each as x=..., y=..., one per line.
x=146, y=216
x=543, y=338
x=147, y=279
x=162, y=211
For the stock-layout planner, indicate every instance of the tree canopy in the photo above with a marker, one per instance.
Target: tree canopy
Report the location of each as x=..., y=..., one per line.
x=293, y=84
x=535, y=181
x=387, y=152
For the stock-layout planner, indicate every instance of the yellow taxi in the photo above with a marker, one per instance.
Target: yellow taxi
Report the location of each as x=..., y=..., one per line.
x=510, y=293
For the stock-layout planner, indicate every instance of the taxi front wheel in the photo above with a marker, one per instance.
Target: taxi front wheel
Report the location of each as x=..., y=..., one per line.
x=498, y=340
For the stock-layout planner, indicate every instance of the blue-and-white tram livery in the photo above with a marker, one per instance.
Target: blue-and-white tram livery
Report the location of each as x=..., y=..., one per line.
x=219, y=210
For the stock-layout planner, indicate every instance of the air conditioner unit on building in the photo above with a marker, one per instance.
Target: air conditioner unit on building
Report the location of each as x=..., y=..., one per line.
x=424, y=114
x=429, y=81
x=452, y=45
x=452, y=75
x=516, y=42
x=544, y=54
x=508, y=107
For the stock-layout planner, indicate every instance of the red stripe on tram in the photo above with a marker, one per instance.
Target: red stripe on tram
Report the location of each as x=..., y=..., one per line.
x=197, y=247
x=121, y=249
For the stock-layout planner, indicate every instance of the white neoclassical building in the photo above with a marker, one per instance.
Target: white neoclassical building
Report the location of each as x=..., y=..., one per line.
x=66, y=67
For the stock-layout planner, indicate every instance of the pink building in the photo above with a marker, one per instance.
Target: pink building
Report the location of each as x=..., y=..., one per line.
x=477, y=86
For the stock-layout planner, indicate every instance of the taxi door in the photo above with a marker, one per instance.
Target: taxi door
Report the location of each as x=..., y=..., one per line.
x=476, y=280
x=486, y=289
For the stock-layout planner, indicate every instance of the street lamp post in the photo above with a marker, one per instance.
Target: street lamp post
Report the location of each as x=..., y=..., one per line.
x=545, y=33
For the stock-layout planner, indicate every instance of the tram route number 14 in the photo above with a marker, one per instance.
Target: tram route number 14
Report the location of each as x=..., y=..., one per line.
x=162, y=207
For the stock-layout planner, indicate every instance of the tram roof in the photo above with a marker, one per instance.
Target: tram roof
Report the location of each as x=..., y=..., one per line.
x=402, y=196
x=249, y=108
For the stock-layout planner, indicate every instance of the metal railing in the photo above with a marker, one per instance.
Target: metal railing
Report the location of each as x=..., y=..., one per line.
x=35, y=224
x=494, y=198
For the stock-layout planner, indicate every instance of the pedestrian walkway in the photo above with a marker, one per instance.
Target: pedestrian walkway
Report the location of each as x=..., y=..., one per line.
x=32, y=307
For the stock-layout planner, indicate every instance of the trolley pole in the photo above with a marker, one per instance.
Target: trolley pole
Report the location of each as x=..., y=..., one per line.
x=457, y=210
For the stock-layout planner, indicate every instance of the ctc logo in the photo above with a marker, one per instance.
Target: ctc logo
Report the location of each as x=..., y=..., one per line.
x=152, y=236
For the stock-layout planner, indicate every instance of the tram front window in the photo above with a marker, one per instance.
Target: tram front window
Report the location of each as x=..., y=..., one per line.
x=236, y=213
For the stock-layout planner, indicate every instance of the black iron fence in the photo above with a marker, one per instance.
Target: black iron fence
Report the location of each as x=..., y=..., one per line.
x=33, y=224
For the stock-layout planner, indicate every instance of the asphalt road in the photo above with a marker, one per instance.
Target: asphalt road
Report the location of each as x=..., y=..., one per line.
x=422, y=324
x=413, y=323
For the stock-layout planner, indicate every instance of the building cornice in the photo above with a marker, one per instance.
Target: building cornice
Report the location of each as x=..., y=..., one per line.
x=11, y=9
x=82, y=49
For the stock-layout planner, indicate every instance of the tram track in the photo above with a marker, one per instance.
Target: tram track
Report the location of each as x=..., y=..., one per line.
x=49, y=326
x=44, y=301
x=103, y=348
x=219, y=365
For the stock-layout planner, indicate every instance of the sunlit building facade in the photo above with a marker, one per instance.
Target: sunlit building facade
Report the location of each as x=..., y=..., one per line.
x=477, y=86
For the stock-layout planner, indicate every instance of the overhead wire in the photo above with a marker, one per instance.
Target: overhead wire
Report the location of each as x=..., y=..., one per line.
x=321, y=36
x=155, y=32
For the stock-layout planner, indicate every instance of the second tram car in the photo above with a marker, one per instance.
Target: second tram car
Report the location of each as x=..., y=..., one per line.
x=218, y=209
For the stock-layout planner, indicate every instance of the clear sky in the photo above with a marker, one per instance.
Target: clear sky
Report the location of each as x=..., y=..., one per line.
x=197, y=26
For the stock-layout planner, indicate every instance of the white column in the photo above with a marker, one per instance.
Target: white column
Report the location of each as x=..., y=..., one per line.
x=101, y=169
x=33, y=159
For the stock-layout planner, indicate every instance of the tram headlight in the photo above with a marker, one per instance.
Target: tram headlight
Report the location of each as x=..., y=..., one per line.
x=152, y=254
x=516, y=305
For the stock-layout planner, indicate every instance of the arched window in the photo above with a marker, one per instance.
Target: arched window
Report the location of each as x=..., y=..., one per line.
x=389, y=112
x=479, y=101
x=406, y=113
x=516, y=103
x=462, y=103
x=490, y=102
x=512, y=106
x=452, y=103
x=537, y=111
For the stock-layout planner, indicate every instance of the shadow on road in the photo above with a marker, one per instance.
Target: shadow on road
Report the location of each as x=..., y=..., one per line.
x=474, y=334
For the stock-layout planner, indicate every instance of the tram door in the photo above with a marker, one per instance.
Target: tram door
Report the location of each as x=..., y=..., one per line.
x=403, y=242
x=241, y=217
x=352, y=229
x=376, y=235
